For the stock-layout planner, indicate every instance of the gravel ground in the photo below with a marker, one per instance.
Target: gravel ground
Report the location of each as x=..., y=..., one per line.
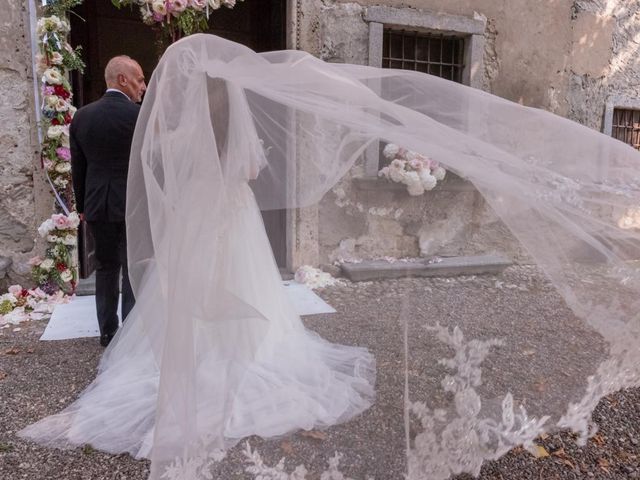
x=542, y=343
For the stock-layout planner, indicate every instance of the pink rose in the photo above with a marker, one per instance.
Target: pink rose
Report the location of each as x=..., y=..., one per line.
x=416, y=164
x=60, y=221
x=35, y=261
x=37, y=293
x=15, y=290
x=64, y=153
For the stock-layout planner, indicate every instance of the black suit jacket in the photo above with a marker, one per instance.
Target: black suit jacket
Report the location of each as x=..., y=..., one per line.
x=100, y=138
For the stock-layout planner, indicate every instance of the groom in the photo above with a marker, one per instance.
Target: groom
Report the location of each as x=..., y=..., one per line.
x=101, y=135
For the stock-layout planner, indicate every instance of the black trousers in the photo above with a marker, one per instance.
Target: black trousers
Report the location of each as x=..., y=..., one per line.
x=111, y=258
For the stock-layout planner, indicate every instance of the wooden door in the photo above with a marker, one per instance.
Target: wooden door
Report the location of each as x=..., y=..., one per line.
x=105, y=31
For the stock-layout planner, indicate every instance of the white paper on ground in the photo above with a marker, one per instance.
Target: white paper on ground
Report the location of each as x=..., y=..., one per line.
x=304, y=300
x=77, y=319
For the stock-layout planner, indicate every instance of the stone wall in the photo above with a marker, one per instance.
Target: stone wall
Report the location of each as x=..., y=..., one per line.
x=24, y=200
x=565, y=56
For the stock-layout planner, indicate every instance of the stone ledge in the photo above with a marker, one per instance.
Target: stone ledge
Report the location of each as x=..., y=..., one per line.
x=437, y=22
x=5, y=264
x=447, y=267
x=451, y=183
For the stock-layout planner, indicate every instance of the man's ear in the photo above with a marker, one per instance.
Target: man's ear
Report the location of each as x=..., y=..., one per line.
x=122, y=80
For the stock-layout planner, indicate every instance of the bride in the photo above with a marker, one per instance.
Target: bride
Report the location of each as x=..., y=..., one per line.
x=213, y=352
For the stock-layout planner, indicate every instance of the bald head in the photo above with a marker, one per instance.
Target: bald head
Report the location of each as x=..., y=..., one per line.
x=125, y=74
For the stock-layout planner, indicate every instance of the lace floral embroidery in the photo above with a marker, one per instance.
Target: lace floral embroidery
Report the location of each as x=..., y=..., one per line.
x=466, y=440
x=261, y=471
x=191, y=467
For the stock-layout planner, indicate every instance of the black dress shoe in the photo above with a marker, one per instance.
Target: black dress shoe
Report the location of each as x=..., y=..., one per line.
x=105, y=339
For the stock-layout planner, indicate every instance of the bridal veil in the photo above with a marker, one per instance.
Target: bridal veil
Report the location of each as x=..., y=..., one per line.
x=215, y=112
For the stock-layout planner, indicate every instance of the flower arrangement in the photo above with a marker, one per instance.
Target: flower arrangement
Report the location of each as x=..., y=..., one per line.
x=57, y=271
x=19, y=304
x=174, y=19
x=55, y=59
x=412, y=169
x=315, y=278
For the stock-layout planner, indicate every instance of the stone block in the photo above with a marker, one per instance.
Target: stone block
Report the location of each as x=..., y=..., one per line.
x=446, y=267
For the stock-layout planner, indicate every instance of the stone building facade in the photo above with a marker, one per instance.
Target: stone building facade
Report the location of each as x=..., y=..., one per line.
x=577, y=58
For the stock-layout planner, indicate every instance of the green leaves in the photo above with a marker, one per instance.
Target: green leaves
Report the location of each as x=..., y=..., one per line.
x=60, y=7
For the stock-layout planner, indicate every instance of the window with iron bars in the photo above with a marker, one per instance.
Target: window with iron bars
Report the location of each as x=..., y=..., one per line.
x=437, y=54
x=626, y=126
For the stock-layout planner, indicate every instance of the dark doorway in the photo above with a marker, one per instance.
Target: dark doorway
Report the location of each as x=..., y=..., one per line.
x=105, y=31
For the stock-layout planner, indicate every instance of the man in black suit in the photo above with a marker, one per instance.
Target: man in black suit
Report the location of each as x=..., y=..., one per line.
x=101, y=135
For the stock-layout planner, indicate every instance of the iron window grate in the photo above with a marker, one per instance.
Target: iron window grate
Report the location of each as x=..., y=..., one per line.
x=436, y=54
x=626, y=126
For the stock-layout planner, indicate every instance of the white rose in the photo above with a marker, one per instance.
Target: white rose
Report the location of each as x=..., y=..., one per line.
x=60, y=182
x=69, y=239
x=52, y=238
x=45, y=227
x=61, y=105
x=390, y=151
x=439, y=173
x=396, y=174
x=8, y=296
x=411, y=178
x=49, y=24
x=63, y=167
x=52, y=76
x=411, y=155
x=55, y=131
x=51, y=100
x=74, y=219
x=215, y=4
x=399, y=164
x=66, y=276
x=179, y=6
x=229, y=3
x=47, y=264
x=72, y=110
x=56, y=58
x=428, y=181
x=159, y=7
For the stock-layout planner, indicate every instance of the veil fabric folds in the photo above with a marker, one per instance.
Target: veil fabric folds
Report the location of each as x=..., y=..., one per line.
x=216, y=113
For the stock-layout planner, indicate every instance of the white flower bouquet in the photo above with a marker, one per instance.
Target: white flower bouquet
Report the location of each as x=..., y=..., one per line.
x=412, y=169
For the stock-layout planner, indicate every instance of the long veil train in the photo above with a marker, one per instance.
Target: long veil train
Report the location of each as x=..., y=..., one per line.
x=204, y=360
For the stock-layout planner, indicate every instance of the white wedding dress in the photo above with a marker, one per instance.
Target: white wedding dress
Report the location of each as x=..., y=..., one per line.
x=283, y=377
x=212, y=352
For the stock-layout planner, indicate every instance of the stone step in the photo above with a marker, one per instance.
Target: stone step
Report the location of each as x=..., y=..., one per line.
x=444, y=267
